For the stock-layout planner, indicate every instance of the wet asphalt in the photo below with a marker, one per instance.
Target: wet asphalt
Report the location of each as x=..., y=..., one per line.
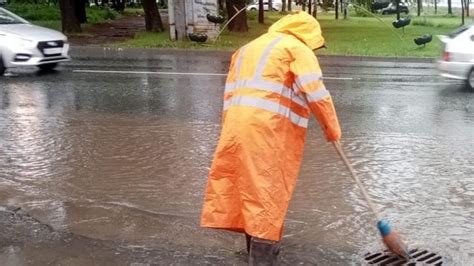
x=104, y=162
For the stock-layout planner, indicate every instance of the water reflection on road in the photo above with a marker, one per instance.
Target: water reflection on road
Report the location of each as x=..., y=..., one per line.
x=124, y=157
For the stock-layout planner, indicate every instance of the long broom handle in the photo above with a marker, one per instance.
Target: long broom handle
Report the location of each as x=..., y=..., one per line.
x=339, y=150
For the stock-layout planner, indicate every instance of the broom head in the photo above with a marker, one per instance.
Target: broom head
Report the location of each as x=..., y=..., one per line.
x=391, y=239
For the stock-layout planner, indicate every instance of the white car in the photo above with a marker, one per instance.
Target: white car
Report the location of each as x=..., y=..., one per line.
x=457, y=61
x=23, y=44
x=276, y=6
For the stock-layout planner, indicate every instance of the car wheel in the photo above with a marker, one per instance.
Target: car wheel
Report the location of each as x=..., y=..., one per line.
x=253, y=9
x=470, y=79
x=384, y=13
x=2, y=67
x=48, y=67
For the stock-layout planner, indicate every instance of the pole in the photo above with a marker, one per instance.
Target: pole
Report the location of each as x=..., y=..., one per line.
x=180, y=19
x=171, y=20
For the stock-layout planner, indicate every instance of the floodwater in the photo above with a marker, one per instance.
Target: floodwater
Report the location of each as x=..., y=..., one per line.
x=124, y=158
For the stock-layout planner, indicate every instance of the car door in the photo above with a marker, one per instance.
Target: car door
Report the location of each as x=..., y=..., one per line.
x=471, y=44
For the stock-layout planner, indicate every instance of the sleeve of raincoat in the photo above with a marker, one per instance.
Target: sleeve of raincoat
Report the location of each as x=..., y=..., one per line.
x=309, y=82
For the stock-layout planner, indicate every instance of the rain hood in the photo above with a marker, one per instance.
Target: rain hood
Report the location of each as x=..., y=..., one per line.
x=303, y=26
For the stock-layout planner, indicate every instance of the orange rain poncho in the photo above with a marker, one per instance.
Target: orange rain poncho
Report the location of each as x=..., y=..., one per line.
x=273, y=84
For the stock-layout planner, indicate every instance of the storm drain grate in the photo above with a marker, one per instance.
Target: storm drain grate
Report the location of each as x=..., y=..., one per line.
x=418, y=257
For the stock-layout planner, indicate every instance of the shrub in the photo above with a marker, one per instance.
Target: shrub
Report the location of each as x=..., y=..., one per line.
x=35, y=12
x=38, y=12
x=96, y=14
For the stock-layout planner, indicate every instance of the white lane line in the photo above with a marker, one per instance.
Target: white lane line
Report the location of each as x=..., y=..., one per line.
x=147, y=72
x=334, y=78
x=167, y=73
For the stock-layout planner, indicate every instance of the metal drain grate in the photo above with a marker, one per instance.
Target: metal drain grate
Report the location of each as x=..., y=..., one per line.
x=418, y=257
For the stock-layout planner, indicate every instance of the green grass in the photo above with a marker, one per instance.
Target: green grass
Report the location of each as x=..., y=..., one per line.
x=227, y=41
x=133, y=11
x=364, y=36
x=369, y=36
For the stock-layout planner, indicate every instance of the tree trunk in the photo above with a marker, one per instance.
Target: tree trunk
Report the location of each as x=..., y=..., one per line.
x=69, y=20
x=118, y=5
x=283, y=6
x=467, y=8
x=289, y=5
x=261, y=11
x=450, y=10
x=345, y=12
x=270, y=5
x=418, y=8
x=80, y=10
x=152, y=16
x=315, y=9
x=337, y=9
x=239, y=23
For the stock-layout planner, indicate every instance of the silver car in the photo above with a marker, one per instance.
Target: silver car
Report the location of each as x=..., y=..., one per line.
x=23, y=44
x=457, y=61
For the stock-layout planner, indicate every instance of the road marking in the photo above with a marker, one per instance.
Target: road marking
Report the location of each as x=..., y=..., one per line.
x=168, y=73
x=336, y=78
x=147, y=72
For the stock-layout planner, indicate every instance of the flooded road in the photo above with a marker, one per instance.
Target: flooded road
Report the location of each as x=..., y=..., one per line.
x=115, y=154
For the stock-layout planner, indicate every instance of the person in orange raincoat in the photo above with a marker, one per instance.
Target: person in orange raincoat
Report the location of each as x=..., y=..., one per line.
x=273, y=85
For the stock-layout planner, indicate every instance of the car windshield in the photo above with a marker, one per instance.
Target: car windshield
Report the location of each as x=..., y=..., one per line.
x=9, y=18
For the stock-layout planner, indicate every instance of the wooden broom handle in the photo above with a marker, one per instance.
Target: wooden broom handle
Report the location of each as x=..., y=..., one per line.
x=339, y=150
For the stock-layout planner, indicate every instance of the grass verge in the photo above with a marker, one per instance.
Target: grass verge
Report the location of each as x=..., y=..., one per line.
x=364, y=36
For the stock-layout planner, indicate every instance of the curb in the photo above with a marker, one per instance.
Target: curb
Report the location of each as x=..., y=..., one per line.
x=106, y=53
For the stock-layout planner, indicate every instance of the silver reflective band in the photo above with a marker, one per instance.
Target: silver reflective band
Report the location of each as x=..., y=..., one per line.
x=263, y=60
x=317, y=95
x=308, y=78
x=267, y=86
x=268, y=106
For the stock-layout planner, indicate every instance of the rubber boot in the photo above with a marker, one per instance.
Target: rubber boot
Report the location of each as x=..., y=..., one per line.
x=263, y=252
